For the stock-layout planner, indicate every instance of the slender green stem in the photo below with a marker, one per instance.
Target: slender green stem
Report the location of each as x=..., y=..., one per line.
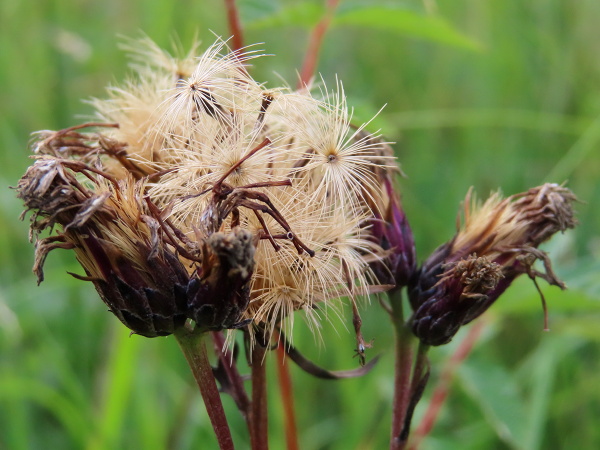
x=259, y=437
x=116, y=390
x=180, y=417
x=194, y=349
x=403, y=365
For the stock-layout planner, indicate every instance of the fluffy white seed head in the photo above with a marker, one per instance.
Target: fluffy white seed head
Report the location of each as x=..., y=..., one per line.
x=290, y=167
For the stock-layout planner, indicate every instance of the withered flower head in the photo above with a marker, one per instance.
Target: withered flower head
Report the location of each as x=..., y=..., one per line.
x=133, y=258
x=200, y=194
x=497, y=243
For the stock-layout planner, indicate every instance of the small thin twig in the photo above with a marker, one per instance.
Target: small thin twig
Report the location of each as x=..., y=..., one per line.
x=235, y=25
x=544, y=303
x=260, y=425
x=314, y=44
x=402, y=369
x=287, y=398
x=194, y=349
x=443, y=386
x=233, y=375
x=417, y=386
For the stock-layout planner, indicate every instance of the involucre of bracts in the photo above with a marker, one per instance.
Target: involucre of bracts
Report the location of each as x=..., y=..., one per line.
x=131, y=255
x=198, y=193
x=497, y=243
x=393, y=233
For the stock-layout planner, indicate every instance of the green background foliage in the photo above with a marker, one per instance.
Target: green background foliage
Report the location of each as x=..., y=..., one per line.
x=485, y=94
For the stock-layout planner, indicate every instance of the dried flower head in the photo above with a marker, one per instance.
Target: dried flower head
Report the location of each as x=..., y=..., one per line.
x=201, y=194
x=497, y=243
x=139, y=266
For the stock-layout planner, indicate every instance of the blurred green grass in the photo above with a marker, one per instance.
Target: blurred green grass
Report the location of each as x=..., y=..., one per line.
x=485, y=94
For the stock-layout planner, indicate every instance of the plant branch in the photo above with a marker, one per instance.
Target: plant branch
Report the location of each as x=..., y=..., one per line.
x=260, y=425
x=315, y=42
x=418, y=383
x=402, y=370
x=235, y=25
x=443, y=386
x=287, y=398
x=194, y=349
x=236, y=381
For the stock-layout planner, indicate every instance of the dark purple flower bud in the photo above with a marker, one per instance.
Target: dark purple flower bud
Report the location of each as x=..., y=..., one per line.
x=392, y=232
x=497, y=243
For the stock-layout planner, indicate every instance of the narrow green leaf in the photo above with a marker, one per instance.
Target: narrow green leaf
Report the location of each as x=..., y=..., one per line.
x=408, y=23
x=495, y=392
x=17, y=426
x=119, y=382
x=73, y=419
x=581, y=150
x=304, y=15
x=538, y=373
x=255, y=10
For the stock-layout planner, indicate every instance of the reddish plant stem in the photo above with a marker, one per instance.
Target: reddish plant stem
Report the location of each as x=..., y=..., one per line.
x=418, y=383
x=443, y=386
x=233, y=375
x=287, y=398
x=420, y=365
x=235, y=25
x=259, y=437
x=402, y=369
x=315, y=42
x=194, y=349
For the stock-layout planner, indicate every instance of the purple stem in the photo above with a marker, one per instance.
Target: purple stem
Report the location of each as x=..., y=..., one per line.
x=402, y=368
x=194, y=349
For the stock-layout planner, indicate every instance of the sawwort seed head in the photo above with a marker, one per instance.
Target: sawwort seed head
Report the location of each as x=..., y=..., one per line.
x=260, y=200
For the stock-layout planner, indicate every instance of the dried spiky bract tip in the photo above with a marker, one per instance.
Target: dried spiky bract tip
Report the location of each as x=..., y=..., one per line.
x=128, y=252
x=497, y=243
x=115, y=238
x=200, y=194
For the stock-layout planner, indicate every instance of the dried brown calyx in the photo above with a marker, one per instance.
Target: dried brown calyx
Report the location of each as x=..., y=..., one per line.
x=150, y=276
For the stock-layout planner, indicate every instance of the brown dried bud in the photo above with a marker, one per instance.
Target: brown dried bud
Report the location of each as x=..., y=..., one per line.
x=117, y=242
x=497, y=243
x=134, y=257
x=221, y=293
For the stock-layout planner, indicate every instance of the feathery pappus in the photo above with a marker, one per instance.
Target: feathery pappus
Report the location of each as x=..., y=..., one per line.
x=198, y=193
